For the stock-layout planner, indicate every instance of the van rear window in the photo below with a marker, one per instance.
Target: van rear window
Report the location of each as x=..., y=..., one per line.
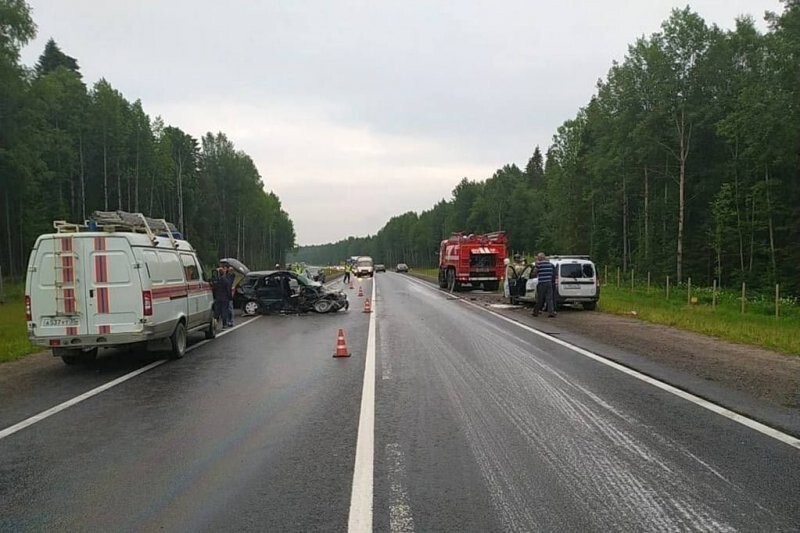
x=574, y=270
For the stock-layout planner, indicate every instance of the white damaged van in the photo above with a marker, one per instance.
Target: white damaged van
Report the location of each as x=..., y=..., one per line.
x=118, y=280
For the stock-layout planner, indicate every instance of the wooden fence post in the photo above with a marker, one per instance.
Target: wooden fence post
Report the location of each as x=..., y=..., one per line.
x=617, y=276
x=667, y=287
x=777, y=300
x=743, y=296
x=714, y=295
x=632, y=279
x=688, y=291
x=648, y=282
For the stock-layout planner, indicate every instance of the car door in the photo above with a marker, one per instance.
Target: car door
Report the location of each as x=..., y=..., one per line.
x=196, y=293
x=520, y=287
x=269, y=291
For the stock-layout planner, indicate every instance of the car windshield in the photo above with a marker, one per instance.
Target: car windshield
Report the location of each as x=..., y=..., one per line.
x=302, y=279
x=364, y=263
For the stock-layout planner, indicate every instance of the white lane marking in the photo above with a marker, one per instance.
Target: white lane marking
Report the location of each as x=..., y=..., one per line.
x=714, y=408
x=360, y=519
x=401, y=520
x=19, y=426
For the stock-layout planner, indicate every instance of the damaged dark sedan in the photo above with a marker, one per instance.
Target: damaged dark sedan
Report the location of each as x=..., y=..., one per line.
x=283, y=291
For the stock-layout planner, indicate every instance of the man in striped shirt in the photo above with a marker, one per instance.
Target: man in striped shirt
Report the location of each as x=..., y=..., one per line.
x=545, y=271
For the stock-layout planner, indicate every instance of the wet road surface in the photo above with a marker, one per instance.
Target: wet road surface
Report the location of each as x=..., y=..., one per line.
x=480, y=425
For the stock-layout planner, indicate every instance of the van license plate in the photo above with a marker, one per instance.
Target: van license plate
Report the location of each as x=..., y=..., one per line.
x=570, y=286
x=59, y=321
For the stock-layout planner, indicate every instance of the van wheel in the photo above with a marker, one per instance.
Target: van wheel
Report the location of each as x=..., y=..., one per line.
x=77, y=356
x=71, y=359
x=590, y=306
x=212, y=329
x=178, y=341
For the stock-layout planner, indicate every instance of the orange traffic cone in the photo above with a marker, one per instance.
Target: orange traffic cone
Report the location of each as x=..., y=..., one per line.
x=341, y=346
x=360, y=292
x=367, y=305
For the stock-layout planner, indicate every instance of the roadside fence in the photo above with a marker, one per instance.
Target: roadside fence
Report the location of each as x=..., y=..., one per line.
x=745, y=300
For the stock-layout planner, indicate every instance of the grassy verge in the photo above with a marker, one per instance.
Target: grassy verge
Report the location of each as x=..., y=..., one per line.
x=426, y=272
x=758, y=326
x=13, y=334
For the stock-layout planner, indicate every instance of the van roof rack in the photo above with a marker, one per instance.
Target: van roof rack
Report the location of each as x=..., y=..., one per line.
x=586, y=257
x=112, y=221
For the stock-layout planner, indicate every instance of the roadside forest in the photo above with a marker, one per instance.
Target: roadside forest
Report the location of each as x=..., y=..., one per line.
x=685, y=162
x=68, y=149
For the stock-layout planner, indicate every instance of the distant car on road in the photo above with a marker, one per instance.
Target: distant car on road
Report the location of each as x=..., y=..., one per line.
x=401, y=267
x=380, y=268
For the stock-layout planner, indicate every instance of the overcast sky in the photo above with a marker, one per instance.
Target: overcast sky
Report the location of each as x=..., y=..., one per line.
x=355, y=111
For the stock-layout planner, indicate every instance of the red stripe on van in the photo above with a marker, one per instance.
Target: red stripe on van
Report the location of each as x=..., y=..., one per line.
x=101, y=276
x=170, y=291
x=71, y=330
x=69, y=300
x=104, y=329
x=102, y=300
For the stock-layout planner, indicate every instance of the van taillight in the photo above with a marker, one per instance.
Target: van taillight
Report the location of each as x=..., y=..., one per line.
x=28, y=316
x=147, y=303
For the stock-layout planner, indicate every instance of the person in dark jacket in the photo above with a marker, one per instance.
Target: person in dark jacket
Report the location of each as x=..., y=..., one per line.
x=223, y=294
x=231, y=275
x=545, y=272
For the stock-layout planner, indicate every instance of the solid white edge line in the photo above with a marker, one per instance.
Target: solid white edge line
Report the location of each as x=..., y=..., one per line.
x=718, y=409
x=19, y=426
x=360, y=518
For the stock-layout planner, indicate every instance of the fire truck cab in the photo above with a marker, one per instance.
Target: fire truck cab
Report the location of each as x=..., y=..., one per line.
x=473, y=260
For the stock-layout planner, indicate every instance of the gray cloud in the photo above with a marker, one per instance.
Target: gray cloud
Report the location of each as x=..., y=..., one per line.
x=355, y=111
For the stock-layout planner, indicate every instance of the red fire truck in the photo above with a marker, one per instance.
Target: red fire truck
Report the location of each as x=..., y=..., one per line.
x=472, y=260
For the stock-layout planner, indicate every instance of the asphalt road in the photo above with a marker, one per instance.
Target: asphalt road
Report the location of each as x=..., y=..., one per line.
x=479, y=425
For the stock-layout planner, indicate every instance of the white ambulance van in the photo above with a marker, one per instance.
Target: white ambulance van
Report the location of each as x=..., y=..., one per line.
x=118, y=280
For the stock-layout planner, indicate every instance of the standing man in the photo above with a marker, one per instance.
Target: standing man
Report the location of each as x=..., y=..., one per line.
x=347, y=268
x=222, y=296
x=230, y=275
x=544, y=288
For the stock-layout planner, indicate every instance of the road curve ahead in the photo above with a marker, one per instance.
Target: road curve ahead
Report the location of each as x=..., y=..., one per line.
x=479, y=425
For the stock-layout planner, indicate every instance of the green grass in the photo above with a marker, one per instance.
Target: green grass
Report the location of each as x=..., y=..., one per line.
x=758, y=326
x=427, y=272
x=13, y=334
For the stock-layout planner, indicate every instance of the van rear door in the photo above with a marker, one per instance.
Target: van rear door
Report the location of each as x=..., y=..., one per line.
x=113, y=291
x=576, y=279
x=56, y=284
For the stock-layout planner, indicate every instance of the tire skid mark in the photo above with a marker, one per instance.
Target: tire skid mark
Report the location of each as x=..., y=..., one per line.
x=591, y=446
x=611, y=475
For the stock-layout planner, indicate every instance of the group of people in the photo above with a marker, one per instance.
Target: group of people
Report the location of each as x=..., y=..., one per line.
x=545, y=288
x=223, y=286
